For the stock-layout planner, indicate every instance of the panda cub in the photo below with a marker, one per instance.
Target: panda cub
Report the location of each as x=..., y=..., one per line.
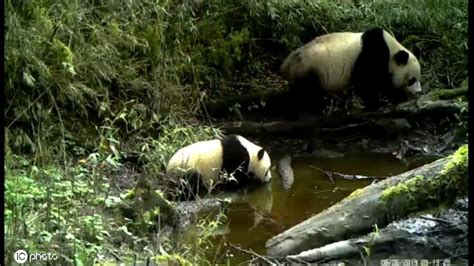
x=205, y=165
x=370, y=62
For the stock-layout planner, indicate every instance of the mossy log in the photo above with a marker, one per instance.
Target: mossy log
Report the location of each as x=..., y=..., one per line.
x=378, y=204
x=275, y=128
x=143, y=199
x=438, y=103
x=144, y=202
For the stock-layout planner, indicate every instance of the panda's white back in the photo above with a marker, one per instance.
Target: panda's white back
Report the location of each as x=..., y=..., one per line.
x=205, y=157
x=251, y=147
x=333, y=56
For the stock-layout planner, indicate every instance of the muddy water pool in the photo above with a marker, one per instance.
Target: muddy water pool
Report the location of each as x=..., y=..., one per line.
x=268, y=210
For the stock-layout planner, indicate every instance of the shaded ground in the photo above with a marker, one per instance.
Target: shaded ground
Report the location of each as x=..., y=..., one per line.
x=441, y=235
x=417, y=142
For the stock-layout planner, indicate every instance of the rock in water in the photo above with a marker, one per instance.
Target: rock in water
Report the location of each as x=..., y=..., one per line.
x=286, y=172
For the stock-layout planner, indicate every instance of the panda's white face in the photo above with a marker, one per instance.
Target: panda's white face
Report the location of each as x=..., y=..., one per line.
x=260, y=165
x=403, y=66
x=406, y=75
x=260, y=162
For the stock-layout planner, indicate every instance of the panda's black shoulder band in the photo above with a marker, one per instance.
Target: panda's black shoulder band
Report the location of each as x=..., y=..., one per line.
x=373, y=35
x=234, y=154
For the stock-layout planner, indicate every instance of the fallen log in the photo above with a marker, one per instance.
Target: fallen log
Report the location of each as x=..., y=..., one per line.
x=144, y=202
x=396, y=234
x=387, y=120
x=188, y=211
x=378, y=204
x=348, y=247
x=144, y=198
x=245, y=101
x=250, y=128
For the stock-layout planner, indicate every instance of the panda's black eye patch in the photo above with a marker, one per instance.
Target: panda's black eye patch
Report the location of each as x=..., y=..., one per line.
x=411, y=81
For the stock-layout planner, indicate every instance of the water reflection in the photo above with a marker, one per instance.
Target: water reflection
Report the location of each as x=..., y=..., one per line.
x=268, y=210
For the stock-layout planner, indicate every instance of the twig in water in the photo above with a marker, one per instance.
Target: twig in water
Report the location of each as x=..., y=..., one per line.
x=436, y=219
x=321, y=170
x=267, y=259
x=324, y=191
x=251, y=252
x=265, y=216
x=332, y=190
x=333, y=175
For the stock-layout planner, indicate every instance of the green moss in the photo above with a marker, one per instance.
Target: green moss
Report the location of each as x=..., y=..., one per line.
x=406, y=187
x=63, y=52
x=130, y=194
x=464, y=83
x=40, y=14
x=443, y=94
x=455, y=170
x=459, y=159
x=151, y=216
x=173, y=259
x=162, y=196
x=355, y=193
x=443, y=188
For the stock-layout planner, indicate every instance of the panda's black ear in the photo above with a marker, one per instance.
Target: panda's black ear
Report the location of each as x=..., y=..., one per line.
x=260, y=154
x=401, y=57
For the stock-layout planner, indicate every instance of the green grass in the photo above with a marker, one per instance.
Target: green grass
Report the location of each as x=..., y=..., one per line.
x=71, y=209
x=81, y=65
x=88, y=83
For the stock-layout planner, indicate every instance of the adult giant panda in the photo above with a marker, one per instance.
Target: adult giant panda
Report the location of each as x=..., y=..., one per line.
x=372, y=62
x=208, y=164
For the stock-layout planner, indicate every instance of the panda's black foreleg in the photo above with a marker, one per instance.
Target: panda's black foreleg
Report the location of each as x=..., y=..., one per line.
x=305, y=96
x=371, y=98
x=396, y=96
x=316, y=101
x=293, y=98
